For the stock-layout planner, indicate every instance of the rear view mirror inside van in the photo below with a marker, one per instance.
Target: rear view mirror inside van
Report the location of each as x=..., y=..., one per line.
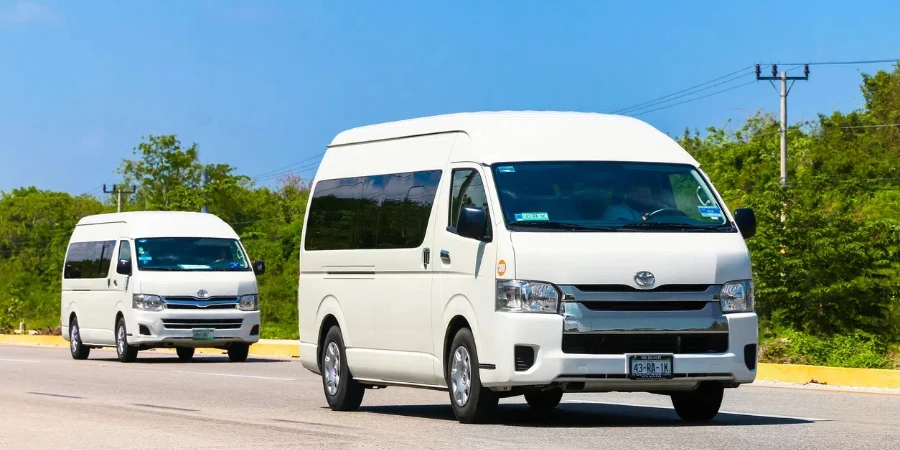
x=746, y=221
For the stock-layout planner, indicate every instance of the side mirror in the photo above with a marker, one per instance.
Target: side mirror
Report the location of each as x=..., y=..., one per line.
x=123, y=267
x=472, y=223
x=746, y=221
x=259, y=267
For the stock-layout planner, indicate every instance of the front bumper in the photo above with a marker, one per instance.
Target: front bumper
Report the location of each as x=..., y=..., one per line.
x=174, y=328
x=608, y=372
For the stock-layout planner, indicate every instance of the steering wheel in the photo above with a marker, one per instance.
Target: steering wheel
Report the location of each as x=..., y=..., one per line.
x=664, y=212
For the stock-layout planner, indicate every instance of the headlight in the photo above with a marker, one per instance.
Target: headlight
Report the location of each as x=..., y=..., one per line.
x=147, y=302
x=527, y=296
x=737, y=296
x=249, y=302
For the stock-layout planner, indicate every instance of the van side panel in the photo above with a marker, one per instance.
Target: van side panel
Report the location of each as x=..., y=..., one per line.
x=383, y=294
x=86, y=281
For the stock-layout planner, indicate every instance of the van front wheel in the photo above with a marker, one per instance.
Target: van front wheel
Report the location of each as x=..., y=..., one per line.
x=76, y=345
x=238, y=352
x=699, y=405
x=471, y=402
x=125, y=352
x=185, y=354
x=341, y=390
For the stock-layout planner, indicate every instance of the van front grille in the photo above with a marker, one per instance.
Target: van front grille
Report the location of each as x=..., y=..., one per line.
x=216, y=324
x=659, y=289
x=640, y=305
x=618, y=344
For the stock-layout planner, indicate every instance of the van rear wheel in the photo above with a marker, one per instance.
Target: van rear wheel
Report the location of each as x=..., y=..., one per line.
x=185, y=354
x=342, y=391
x=471, y=402
x=76, y=346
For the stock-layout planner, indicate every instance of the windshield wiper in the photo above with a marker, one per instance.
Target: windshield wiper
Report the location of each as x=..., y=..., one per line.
x=667, y=226
x=553, y=225
x=160, y=269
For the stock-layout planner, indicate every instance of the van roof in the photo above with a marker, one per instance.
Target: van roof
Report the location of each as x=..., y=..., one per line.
x=537, y=136
x=149, y=224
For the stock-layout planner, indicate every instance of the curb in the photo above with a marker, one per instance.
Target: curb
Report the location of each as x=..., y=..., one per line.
x=785, y=373
x=265, y=347
x=832, y=376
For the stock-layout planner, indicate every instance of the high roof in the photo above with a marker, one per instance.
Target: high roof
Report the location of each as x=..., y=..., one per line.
x=530, y=135
x=149, y=224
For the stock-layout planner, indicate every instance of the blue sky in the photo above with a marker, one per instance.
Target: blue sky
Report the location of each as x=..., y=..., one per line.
x=264, y=84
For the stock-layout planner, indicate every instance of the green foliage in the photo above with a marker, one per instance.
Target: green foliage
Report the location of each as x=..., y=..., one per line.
x=858, y=349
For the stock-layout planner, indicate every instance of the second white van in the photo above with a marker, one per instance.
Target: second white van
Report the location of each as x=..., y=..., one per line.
x=141, y=280
x=491, y=255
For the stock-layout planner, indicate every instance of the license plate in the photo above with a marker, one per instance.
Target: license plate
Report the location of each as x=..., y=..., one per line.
x=203, y=334
x=650, y=367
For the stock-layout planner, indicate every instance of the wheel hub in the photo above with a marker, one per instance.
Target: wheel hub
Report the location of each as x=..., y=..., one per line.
x=332, y=365
x=461, y=376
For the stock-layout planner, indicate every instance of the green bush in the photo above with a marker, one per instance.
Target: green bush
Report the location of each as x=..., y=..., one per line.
x=858, y=349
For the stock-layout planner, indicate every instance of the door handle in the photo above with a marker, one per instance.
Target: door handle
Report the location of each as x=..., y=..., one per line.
x=445, y=256
x=426, y=257
x=108, y=281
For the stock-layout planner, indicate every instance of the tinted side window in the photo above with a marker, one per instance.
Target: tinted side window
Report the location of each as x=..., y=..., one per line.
x=106, y=259
x=468, y=192
x=332, y=214
x=375, y=212
x=89, y=259
x=124, y=251
x=408, y=199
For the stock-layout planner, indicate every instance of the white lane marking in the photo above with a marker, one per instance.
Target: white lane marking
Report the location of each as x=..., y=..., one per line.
x=773, y=416
x=20, y=360
x=234, y=375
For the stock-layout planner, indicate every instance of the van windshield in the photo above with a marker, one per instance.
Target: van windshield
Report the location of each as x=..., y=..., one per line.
x=190, y=254
x=606, y=196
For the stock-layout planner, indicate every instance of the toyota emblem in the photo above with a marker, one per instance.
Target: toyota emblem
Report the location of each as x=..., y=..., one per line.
x=644, y=279
x=203, y=294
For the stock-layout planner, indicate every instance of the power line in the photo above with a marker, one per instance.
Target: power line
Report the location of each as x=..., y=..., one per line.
x=652, y=104
x=695, y=98
x=683, y=90
x=840, y=63
x=256, y=177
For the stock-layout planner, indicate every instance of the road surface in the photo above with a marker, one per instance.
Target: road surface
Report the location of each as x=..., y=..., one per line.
x=48, y=400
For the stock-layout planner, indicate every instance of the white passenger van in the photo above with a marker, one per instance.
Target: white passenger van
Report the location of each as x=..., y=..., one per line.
x=523, y=253
x=141, y=280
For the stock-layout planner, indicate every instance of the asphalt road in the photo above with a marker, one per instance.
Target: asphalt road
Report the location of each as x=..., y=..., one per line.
x=48, y=400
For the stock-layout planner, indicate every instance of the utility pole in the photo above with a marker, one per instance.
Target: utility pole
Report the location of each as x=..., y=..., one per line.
x=203, y=182
x=116, y=189
x=785, y=90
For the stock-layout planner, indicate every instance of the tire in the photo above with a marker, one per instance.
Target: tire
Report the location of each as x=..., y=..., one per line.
x=699, y=405
x=471, y=402
x=342, y=391
x=544, y=400
x=76, y=345
x=124, y=352
x=185, y=354
x=238, y=352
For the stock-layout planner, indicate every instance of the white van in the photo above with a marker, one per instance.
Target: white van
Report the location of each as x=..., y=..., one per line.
x=523, y=253
x=142, y=280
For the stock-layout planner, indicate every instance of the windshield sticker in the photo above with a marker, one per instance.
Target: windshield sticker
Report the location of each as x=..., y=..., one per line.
x=710, y=211
x=531, y=217
x=234, y=265
x=506, y=169
x=145, y=258
x=192, y=266
x=141, y=241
